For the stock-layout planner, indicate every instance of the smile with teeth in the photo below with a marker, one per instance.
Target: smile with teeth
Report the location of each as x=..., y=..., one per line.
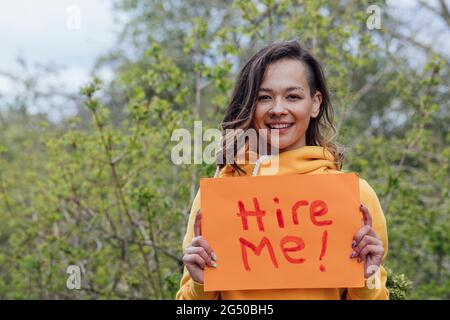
x=279, y=125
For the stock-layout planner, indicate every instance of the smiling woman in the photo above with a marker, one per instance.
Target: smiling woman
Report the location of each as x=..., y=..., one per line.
x=282, y=90
x=287, y=102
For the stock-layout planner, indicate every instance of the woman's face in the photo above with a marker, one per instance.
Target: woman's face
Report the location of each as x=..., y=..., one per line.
x=284, y=103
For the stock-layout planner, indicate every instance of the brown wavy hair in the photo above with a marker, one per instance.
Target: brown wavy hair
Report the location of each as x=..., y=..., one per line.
x=241, y=110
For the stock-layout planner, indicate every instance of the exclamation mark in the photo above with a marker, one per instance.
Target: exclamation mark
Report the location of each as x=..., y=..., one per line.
x=324, y=249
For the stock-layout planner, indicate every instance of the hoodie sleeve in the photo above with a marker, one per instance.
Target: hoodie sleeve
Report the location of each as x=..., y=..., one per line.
x=190, y=289
x=375, y=289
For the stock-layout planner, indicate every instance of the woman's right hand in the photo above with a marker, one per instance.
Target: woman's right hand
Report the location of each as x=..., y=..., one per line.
x=198, y=254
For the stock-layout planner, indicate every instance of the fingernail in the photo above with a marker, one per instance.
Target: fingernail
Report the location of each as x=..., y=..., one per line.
x=214, y=265
x=214, y=257
x=353, y=243
x=354, y=254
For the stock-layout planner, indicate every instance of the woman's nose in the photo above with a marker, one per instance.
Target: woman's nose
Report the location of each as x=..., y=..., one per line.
x=278, y=109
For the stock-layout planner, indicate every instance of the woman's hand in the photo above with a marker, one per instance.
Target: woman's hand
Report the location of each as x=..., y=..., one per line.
x=367, y=246
x=198, y=254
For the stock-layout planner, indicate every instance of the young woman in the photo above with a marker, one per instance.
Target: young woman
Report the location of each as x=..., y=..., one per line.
x=282, y=88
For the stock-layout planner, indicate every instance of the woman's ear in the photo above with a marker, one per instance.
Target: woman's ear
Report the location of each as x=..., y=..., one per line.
x=317, y=101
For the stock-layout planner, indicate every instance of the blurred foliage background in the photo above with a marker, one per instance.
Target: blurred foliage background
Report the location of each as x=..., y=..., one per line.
x=99, y=190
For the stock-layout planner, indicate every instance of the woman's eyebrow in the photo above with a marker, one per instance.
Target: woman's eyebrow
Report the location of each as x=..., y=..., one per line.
x=294, y=88
x=288, y=89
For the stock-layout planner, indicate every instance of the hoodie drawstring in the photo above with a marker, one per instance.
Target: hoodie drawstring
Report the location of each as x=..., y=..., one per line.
x=258, y=164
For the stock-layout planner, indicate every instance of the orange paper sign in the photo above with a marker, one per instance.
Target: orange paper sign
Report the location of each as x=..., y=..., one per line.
x=292, y=231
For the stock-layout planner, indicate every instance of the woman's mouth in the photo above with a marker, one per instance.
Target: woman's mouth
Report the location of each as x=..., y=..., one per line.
x=280, y=127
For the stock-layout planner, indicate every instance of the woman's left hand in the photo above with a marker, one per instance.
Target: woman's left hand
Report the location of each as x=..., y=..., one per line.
x=367, y=246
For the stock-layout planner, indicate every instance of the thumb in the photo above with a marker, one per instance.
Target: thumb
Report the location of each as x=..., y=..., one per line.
x=367, y=218
x=197, y=224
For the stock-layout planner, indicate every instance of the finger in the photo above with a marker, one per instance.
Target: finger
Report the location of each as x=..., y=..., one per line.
x=201, y=252
x=367, y=218
x=194, y=260
x=201, y=242
x=371, y=249
x=367, y=240
x=197, y=224
x=364, y=230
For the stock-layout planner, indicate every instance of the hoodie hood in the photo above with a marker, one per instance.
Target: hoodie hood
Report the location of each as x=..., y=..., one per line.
x=307, y=159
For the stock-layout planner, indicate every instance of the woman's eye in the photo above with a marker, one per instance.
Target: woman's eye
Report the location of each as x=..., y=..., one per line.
x=263, y=97
x=293, y=97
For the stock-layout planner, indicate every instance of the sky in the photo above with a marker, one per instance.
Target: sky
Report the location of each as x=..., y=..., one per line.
x=69, y=33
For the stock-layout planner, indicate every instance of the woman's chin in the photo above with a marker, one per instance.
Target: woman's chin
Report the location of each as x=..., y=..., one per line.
x=283, y=145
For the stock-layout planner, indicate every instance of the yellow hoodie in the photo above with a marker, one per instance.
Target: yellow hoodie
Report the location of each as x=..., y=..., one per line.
x=304, y=160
